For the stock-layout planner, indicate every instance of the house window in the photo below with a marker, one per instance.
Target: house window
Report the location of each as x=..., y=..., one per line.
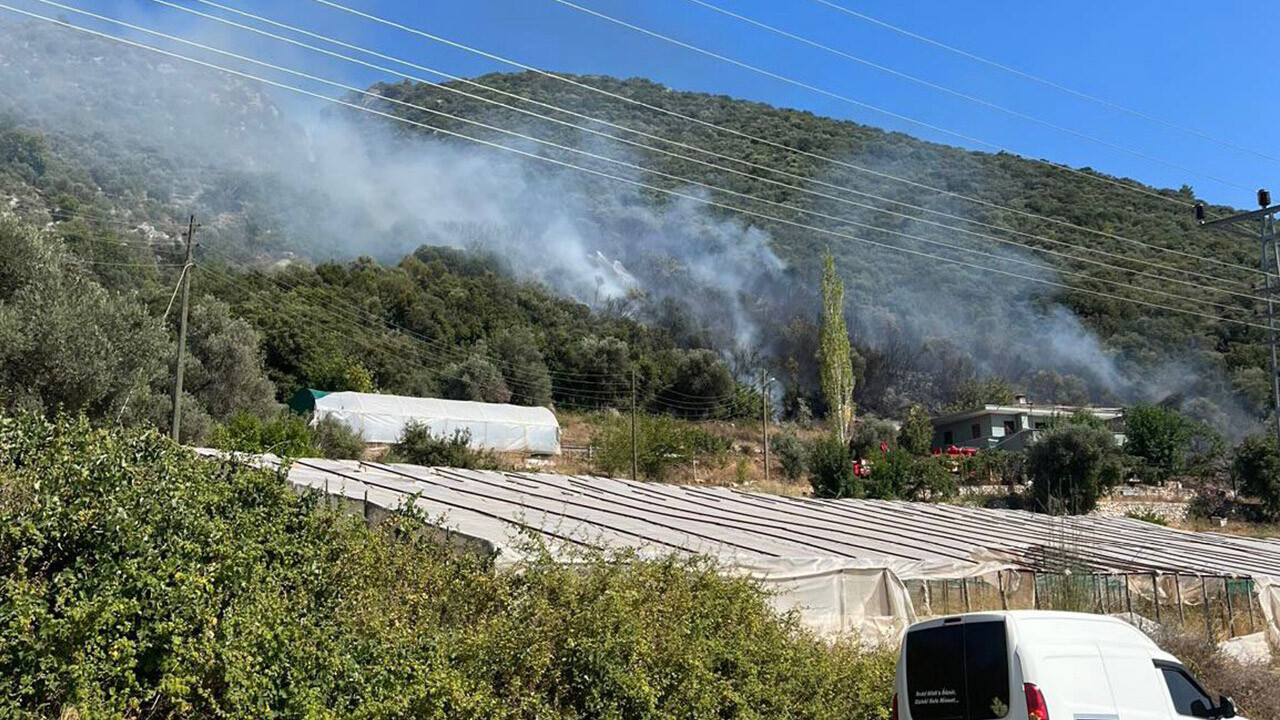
x=1010, y=427
x=1039, y=426
x=947, y=438
x=976, y=429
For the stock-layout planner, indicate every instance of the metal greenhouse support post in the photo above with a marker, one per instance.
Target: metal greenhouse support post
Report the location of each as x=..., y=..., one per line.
x=1155, y=594
x=1128, y=598
x=1004, y=600
x=1249, y=595
x=1208, y=617
x=1177, y=591
x=964, y=593
x=1231, y=614
x=1035, y=589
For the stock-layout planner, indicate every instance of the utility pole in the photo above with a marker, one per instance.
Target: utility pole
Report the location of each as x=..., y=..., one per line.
x=182, y=332
x=1270, y=265
x=635, y=456
x=764, y=419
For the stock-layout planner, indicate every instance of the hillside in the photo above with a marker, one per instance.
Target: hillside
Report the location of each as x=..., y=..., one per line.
x=271, y=184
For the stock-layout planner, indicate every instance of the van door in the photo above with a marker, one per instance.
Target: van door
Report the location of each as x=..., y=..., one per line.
x=1074, y=682
x=1136, y=684
x=958, y=670
x=1183, y=691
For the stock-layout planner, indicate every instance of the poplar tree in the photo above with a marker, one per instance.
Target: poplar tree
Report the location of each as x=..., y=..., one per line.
x=834, y=355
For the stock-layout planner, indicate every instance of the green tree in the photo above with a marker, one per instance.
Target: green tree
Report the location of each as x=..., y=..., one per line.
x=516, y=353
x=834, y=353
x=1070, y=466
x=1256, y=471
x=477, y=379
x=831, y=469
x=869, y=434
x=1159, y=435
x=792, y=454
x=973, y=393
x=916, y=435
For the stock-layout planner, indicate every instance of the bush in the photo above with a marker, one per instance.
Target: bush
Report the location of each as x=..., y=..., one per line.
x=916, y=436
x=868, y=434
x=831, y=469
x=1210, y=502
x=792, y=455
x=1252, y=687
x=333, y=439
x=1160, y=435
x=1070, y=466
x=1146, y=516
x=898, y=474
x=662, y=445
x=285, y=435
x=418, y=446
x=142, y=581
x=1256, y=470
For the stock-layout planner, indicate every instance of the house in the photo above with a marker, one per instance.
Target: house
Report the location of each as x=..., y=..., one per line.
x=1012, y=427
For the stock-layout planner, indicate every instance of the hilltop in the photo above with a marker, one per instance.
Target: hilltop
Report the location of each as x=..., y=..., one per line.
x=151, y=141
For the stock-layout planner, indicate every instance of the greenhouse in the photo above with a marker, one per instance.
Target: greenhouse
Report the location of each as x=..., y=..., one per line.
x=860, y=567
x=492, y=426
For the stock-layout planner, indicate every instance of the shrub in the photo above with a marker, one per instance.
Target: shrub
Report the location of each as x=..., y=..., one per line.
x=1146, y=516
x=142, y=581
x=831, y=469
x=662, y=445
x=916, y=436
x=1252, y=687
x=1160, y=435
x=1256, y=470
x=898, y=474
x=1210, y=502
x=792, y=454
x=333, y=439
x=418, y=446
x=1070, y=466
x=285, y=435
x=868, y=434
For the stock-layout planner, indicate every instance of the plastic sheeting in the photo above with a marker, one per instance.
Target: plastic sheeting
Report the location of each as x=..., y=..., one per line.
x=861, y=567
x=493, y=426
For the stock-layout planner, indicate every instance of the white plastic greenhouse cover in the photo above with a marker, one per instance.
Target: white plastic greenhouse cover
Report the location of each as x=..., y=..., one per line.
x=493, y=426
x=846, y=566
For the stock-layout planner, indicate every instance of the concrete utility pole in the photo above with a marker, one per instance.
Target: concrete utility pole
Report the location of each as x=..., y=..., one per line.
x=182, y=332
x=635, y=462
x=1270, y=265
x=764, y=419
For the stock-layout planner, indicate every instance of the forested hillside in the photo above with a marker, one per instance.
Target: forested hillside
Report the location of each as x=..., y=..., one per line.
x=367, y=253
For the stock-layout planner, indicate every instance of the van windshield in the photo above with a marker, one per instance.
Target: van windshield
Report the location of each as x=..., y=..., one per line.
x=958, y=671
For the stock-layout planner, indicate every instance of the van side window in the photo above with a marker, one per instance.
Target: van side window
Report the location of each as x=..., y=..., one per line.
x=1184, y=690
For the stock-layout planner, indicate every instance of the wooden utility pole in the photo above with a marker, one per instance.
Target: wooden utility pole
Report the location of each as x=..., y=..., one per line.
x=635, y=456
x=182, y=332
x=764, y=419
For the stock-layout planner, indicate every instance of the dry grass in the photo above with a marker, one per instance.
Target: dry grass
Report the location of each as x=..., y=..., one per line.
x=1255, y=688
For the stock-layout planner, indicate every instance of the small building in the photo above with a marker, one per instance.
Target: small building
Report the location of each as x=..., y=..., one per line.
x=1012, y=427
x=382, y=419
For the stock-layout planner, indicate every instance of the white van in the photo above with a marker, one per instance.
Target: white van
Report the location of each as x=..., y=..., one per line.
x=1039, y=665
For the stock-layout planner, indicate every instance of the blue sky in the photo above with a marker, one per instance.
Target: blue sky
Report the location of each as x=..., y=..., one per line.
x=1204, y=66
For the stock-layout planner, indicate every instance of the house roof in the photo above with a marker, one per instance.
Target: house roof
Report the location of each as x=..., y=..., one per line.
x=1105, y=413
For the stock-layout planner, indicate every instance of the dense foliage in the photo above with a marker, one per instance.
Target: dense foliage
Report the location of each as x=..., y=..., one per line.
x=662, y=445
x=1070, y=467
x=142, y=581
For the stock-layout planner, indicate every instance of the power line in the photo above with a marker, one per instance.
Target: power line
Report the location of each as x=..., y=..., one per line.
x=964, y=96
x=771, y=143
x=670, y=176
x=855, y=102
x=677, y=155
x=654, y=188
x=1048, y=83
